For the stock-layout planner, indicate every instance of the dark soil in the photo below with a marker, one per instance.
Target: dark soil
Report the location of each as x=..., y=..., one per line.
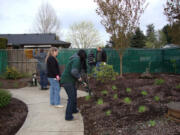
x=12, y=117
x=14, y=84
x=125, y=119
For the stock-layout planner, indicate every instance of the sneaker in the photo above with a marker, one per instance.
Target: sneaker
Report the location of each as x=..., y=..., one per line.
x=59, y=106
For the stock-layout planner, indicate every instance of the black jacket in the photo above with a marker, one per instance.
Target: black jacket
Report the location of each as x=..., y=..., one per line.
x=52, y=67
x=103, y=56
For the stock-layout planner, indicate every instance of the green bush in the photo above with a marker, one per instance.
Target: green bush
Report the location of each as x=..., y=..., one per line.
x=114, y=87
x=178, y=86
x=128, y=90
x=3, y=43
x=104, y=92
x=5, y=98
x=115, y=96
x=12, y=73
x=104, y=73
x=108, y=112
x=156, y=98
x=87, y=98
x=142, y=109
x=100, y=101
x=144, y=93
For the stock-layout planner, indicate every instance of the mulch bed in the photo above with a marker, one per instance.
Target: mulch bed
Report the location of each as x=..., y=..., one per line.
x=125, y=119
x=14, y=84
x=12, y=117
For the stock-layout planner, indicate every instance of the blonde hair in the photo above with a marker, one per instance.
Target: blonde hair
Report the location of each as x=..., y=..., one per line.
x=51, y=51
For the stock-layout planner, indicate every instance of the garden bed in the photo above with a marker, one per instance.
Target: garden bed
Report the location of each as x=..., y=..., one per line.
x=14, y=84
x=131, y=106
x=12, y=117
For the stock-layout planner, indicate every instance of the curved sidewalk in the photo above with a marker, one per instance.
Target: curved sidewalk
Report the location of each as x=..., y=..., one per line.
x=43, y=119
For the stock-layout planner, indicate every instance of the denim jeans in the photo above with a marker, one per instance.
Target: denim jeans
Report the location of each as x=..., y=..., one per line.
x=43, y=79
x=54, y=91
x=72, y=100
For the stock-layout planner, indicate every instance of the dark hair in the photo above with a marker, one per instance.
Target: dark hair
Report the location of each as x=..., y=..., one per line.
x=82, y=54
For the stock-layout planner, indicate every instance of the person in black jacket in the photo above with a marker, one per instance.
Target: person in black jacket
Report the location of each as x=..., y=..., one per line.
x=53, y=74
x=91, y=60
x=100, y=56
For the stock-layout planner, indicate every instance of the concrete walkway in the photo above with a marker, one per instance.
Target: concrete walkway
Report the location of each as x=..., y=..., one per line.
x=44, y=119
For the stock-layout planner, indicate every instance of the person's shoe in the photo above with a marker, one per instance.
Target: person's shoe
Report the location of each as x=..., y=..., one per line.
x=69, y=119
x=59, y=106
x=77, y=111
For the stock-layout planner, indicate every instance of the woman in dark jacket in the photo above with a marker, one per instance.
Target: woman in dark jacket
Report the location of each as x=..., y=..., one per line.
x=69, y=77
x=53, y=74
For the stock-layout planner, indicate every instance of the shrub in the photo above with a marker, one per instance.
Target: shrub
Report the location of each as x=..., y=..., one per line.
x=100, y=101
x=127, y=100
x=159, y=81
x=142, y=109
x=144, y=93
x=3, y=43
x=5, y=98
x=115, y=96
x=87, y=97
x=104, y=92
x=108, y=112
x=156, y=98
x=104, y=73
x=12, y=73
x=128, y=90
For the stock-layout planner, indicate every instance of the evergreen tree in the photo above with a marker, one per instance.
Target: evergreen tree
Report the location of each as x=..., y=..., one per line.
x=138, y=39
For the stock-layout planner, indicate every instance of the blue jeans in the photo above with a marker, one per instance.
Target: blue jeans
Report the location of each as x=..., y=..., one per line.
x=54, y=91
x=43, y=79
x=72, y=100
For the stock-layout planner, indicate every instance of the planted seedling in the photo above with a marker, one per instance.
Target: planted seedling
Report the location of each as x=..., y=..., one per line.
x=100, y=101
x=142, y=109
x=114, y=87
x=152, y=123
x=115, y=96
x=178, y=86
x=128, y=90
x=104, y=92
x=159, y=81
x=144, y=93
x=108, y=112
x=87, y=97
x=156, y=98
x=127, y=100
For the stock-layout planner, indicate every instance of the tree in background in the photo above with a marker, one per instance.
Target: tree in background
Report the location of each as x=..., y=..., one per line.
x=84, y=35
x=172, y=11
x=120, y=18
x=138, y=39
x=166, y=29
x=161, y=39
x=46, y=20
x=151, y=39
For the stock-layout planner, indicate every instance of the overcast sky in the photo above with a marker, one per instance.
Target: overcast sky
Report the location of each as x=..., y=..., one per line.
x=16, y=16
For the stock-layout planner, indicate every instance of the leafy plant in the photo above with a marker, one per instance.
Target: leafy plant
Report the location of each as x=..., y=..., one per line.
x=156, y=98
x=87, y=97
x=115, y=96
x=5, y=97
x=178, y=86
x=152, y=123
x=104, y=73
x=12, y=73
x=16, y=84
x=128, y=90
x=144, y=93
x=159, y=81
x=142, y=109
x=108, y=112
x=100, y=101
x=114, y=87
x=127, y=100
x=104, y=92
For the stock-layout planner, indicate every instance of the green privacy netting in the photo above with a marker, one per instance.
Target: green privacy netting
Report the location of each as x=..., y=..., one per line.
x=3, y=60
x=136, y=60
